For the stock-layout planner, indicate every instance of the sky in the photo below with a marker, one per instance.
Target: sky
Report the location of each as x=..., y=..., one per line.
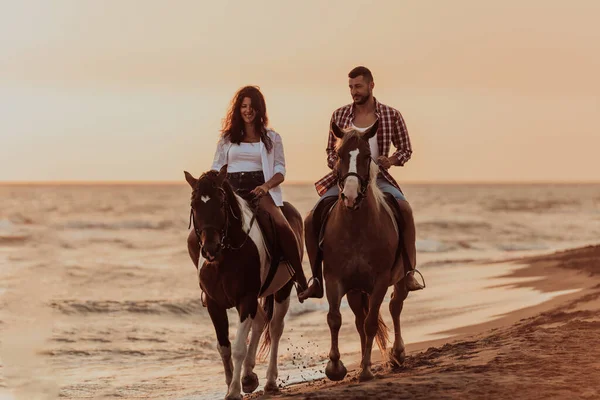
x=124, y=90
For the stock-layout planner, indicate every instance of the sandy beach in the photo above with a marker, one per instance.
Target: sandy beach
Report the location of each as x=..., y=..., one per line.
x=547, y=351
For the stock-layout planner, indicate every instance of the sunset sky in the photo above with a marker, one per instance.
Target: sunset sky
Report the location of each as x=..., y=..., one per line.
x=124, y=90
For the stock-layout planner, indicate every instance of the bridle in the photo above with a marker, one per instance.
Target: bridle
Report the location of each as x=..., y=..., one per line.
x=225, y=243
x=363, y=184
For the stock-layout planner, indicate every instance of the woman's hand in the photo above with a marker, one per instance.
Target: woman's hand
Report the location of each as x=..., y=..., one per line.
x=261, y=190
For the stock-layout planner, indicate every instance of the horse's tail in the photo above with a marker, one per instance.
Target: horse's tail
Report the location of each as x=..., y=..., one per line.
x=382, y=336
x=266, y=340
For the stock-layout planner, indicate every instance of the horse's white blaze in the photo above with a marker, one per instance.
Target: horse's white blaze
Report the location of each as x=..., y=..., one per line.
x=239, y=353
x=205, y=199
x=352, y=184
x=353, y=161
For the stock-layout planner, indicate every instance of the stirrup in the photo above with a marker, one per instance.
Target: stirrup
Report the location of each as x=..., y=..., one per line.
x=203, y=298
x=418, y=272
x=312, y=278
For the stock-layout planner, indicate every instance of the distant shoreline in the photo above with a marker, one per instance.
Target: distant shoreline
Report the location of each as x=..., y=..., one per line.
x=296, y=183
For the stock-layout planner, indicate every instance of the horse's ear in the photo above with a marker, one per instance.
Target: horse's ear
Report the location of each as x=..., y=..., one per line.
x=372, y=131
x=190, y=179
x=337, y=132
x=222, y=175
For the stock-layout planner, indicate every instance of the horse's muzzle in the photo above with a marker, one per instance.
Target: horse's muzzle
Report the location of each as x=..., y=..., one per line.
x=210, y=254
x=210, y=245
x=352, y=204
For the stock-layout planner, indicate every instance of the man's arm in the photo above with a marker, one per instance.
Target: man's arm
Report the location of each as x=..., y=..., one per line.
x=401, y=141
x=331, y=141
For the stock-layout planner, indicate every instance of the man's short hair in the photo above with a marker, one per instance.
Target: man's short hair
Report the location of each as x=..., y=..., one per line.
x=358, y=71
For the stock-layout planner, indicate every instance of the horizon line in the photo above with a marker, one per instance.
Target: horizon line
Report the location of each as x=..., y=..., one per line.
x=296, y=182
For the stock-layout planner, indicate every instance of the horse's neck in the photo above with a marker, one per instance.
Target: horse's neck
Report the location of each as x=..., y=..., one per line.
x=236, y=222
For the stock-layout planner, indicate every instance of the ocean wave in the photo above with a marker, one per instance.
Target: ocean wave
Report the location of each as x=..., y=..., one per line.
x=439, y=263
x=530, y=205
x=162, y=354
x=119, y=225
x=19, y=218
x=433, y=246
x=9, y=234
x=113, y=241
x=186, y=307
x=462, y=226
x=522, y=246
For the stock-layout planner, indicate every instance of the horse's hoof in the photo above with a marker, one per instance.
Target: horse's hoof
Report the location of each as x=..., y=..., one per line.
x=250, y=383
x=271, y=388
x=238, y=397
x=365, y=375
x=397, y=358
x=335, y=371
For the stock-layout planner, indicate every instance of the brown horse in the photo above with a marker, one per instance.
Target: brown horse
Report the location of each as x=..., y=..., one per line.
x=360, y=254
x=235, y=261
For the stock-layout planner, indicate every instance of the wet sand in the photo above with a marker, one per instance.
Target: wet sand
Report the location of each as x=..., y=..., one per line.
x=551, y=350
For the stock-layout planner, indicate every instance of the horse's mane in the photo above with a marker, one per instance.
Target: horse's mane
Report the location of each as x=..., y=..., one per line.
x=380, y=201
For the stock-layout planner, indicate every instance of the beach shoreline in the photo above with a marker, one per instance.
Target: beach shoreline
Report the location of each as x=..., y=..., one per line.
x=551, y=350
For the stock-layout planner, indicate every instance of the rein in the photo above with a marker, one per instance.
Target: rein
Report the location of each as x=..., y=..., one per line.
x=225, y=244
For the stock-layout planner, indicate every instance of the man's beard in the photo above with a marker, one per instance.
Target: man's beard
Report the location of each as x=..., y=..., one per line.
x=362, y=100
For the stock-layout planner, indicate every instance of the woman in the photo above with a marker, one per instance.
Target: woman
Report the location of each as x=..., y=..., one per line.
x=255, y=169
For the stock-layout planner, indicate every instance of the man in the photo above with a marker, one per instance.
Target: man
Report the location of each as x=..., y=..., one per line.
x=361, y=115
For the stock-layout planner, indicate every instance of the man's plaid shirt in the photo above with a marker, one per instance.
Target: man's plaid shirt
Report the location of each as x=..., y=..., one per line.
x=391, y=130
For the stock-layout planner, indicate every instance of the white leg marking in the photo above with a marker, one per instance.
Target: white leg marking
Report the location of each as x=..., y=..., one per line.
x=239, y=353
x=276, y=327
x=257, y=328
x=225, y=353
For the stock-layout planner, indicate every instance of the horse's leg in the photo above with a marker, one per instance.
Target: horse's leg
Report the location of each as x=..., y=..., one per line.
x=397, y=353
x=371, y=328
x=276, y=325
x=356, y=304
x=218, y=315
x=335, y=370
x=246, y=310
x=249, y=378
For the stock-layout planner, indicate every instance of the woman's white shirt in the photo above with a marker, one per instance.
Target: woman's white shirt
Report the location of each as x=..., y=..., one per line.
x=272, y=162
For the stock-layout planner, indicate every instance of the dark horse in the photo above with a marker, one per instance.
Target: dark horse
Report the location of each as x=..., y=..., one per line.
x=236, y=262
x=361, y=257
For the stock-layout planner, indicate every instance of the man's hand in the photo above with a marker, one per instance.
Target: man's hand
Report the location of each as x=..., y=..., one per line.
x=261, y=190
x=384, y=162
